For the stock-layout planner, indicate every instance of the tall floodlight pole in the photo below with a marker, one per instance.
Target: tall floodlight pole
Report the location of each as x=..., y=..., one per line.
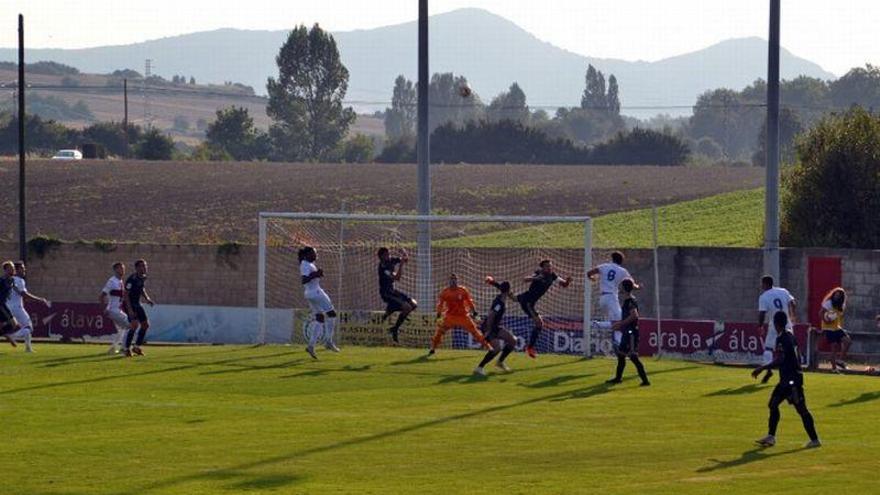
x=424, y=159
x=22, y=234
x=771, y=206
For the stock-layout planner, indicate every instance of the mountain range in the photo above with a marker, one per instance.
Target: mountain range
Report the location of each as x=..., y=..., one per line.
x=491, y=51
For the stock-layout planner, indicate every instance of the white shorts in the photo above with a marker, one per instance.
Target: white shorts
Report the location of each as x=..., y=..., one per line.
x=118, y=317
x=23, y=318
x=319, y=302
x=609, y=306
x=770, y=339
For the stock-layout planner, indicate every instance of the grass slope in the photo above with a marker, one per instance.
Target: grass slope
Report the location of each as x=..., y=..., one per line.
x=212, y=420
x=733, y=219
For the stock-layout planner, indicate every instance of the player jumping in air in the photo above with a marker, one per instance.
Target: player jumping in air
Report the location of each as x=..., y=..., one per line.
x=453, y=307
x=319, y=302
x=610, y=276
x=135, y=291
x=539, y=284
x=15, y=303
x=831, y=317
x=628, y=326
x=390, y=271
x=8, y=323
x=111, y=298
x=791, y=383
x=773, y=299
x=502, y=340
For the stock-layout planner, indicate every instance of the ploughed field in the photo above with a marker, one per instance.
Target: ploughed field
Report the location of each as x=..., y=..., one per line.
x=191, y=202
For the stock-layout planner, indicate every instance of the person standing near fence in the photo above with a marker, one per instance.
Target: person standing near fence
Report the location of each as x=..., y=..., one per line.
x=772, y=300
x=831, y=325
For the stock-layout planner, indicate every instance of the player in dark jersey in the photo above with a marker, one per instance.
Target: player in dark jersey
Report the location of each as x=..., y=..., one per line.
x=494, y=333
x=8, y=323
x=135, y=292
x=629, y=340
x=539, y=284
x=791, y=383
x=390, y=271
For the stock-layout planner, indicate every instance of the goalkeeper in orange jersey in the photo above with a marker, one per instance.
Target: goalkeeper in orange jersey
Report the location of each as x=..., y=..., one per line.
x=455, y=309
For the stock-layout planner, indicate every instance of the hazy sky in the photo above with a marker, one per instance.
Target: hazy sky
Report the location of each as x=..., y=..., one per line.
x=837, y=35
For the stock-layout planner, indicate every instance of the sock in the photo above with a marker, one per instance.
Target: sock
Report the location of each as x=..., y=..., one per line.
x=809, y=425
x=121, y=336
x=533, y=337
x=621, y=364
x=27, y=338
x=329, y=331
x=129, y=336
x=640, y=368
x=488, y=358
x=142, y=333
x=400, y=319
x=774, y=420
x=316, y=328
x=506, y=352
x=437, y=338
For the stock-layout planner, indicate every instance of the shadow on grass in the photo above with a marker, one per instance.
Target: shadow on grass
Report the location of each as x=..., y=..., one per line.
x=323, y=372
x=269, y=482
x=745, y=389
x=462, y=379
x=555, y=381
x=241, y=368
x=424, y=358
x=752, y=455
x=103, y=356
x=866, y=397
x=351, y=442
x=186, y=365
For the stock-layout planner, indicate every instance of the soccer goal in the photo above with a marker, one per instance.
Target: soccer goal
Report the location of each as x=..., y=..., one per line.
x=506, y=247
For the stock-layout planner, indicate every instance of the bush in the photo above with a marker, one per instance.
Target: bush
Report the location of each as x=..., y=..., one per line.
x=155, y=146
x=401, y=150
x=642, y=147
x=356, y=149
x=831, y=197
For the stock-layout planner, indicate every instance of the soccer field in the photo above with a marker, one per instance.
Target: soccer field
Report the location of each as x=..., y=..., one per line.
x=227, y=419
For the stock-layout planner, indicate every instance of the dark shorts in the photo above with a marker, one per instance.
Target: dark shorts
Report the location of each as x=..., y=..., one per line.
x=834, y=336
x=497, y=333
x=629, y=342
x=140, y=315
x=528, y=306
x=792, y=393
x=395, y=300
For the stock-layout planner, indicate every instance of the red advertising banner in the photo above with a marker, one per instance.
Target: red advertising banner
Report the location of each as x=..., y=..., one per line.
x=69, y=320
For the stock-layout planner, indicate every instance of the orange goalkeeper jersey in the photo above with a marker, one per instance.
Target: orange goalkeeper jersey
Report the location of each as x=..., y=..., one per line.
x=456, y=300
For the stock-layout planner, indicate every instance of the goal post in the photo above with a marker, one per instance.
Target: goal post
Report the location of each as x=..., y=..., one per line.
x=508, y=247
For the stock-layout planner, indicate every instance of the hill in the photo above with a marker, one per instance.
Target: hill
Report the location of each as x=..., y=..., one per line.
x=490, y=50
x=733, y=219
x=190, y=202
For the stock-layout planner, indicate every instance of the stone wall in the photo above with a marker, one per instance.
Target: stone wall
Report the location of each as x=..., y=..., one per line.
x=695, y=283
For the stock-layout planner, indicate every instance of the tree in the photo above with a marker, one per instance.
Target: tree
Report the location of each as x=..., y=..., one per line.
x=509, y=105
x=730, y=119
x=830, y=197
x=447, y=104
x=305, y=101
x=860, y=86
x=400, y=119
x=43, y=136
x=642, y=147
x=613, y=96
x=356, y=149
x=234, y=132
x=111, y=136
x=192, y=80
x=594, y=96
x=789, y=127
x=155, y=146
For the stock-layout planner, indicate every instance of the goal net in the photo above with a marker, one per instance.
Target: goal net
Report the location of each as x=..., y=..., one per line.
x=508, y=248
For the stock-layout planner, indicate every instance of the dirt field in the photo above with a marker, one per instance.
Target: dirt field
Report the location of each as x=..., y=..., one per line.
x=189, y=202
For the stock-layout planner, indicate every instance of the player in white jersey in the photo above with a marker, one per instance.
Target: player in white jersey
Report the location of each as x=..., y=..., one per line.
x=319, y=302
x=773, y=300
x=15, y=303
x=112, y=299
x=610, y=276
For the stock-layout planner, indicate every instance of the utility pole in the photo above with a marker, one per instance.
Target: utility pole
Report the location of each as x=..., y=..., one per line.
x=424, y=159
x=22, y=233
x=148, y=72
x=771, y=206
x=125, y=115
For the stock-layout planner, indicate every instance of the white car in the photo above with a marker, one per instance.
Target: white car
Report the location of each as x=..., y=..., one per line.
x=68, y=155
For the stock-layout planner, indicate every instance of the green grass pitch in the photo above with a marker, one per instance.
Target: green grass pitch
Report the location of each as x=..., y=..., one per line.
x=228, y=419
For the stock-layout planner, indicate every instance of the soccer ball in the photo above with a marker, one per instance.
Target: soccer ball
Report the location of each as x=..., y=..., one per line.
x=465, y=91
x=830, y=315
